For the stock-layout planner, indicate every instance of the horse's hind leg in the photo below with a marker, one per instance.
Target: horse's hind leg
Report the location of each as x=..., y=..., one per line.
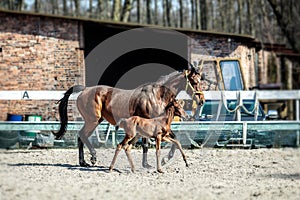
x=84, y=134
x=145, y=149
x=82, y=162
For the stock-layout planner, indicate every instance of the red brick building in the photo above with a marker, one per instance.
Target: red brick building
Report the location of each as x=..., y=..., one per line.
x=44, y=52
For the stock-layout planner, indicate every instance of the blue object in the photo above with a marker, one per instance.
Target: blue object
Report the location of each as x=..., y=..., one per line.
x=12, y=117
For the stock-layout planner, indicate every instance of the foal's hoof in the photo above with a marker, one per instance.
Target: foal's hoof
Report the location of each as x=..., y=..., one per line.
x=84, y=164
x=110, y=169
x=160, y=171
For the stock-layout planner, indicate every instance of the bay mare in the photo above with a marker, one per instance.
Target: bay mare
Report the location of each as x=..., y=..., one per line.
x=104, y=102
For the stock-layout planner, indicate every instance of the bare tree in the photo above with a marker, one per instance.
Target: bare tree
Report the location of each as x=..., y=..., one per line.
x=287, y=15
x=180, y=13
x=37, y=6
x=99, y=8
x=65, y=8
x=77, y=7
x=192, y=14
x=148, y=11
x=197, y=14
x=126, y=10
x=20, y=5
x=90, y=9
x=116, y=10
x=250, y=21
x=155, y=14
x=138, y=11
x=240, y=16
x=203, y=12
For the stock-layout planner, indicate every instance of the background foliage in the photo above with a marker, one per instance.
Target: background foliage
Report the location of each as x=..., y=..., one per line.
x=270, y=21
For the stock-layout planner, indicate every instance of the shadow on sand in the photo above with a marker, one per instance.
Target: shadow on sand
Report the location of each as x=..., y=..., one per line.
x=67, y=166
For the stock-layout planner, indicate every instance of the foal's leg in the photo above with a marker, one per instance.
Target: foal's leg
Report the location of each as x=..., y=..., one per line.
x=177, y=143
x=118, y=149
x=128, y=154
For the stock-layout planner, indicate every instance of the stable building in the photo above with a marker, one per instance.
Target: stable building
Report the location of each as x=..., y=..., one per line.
x=41, y=52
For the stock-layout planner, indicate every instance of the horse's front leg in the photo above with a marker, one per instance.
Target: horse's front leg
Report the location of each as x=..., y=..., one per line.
x=158, y=143
x=177, y=143
x=170, y=155
x=145, y=152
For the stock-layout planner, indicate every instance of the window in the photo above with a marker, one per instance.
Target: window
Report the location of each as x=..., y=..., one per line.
x=231, y=74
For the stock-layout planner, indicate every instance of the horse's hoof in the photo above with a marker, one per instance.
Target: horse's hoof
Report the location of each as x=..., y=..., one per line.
x=84, y=164
x=164, y=161
x=93, y=160
x=160, y=171
x=147, y=166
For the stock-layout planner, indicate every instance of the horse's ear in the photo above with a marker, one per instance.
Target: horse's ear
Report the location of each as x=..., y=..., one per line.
x=189, y=66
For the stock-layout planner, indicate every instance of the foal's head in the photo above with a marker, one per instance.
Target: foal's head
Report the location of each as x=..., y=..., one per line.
x=174, y=108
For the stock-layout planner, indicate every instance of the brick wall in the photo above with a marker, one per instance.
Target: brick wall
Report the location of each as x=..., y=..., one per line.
x=38, y=53
x=43, y=53
x=208, y=47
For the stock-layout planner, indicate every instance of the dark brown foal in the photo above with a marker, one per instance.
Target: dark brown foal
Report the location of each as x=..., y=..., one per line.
x=158, y=128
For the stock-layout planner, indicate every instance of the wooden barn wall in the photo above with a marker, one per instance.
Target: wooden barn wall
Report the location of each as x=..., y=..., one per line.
x=38, y=53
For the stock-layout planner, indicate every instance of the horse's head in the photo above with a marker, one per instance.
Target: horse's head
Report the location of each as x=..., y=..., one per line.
x=193, y=83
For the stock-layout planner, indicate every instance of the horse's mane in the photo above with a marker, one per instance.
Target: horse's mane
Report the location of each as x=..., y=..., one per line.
x=165, y=78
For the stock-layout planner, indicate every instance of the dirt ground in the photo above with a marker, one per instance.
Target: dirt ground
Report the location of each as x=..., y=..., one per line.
x=213, y=174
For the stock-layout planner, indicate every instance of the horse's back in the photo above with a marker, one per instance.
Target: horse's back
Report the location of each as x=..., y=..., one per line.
x=95, y=103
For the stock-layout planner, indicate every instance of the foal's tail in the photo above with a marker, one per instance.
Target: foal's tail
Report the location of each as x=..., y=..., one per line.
x=63, y=112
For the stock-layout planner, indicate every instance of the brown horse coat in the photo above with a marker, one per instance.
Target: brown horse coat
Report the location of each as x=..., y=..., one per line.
x=158, y=128
x=103, y=102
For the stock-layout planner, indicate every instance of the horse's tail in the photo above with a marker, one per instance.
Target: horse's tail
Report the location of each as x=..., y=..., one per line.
x=120, y=124
x=63, y=112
